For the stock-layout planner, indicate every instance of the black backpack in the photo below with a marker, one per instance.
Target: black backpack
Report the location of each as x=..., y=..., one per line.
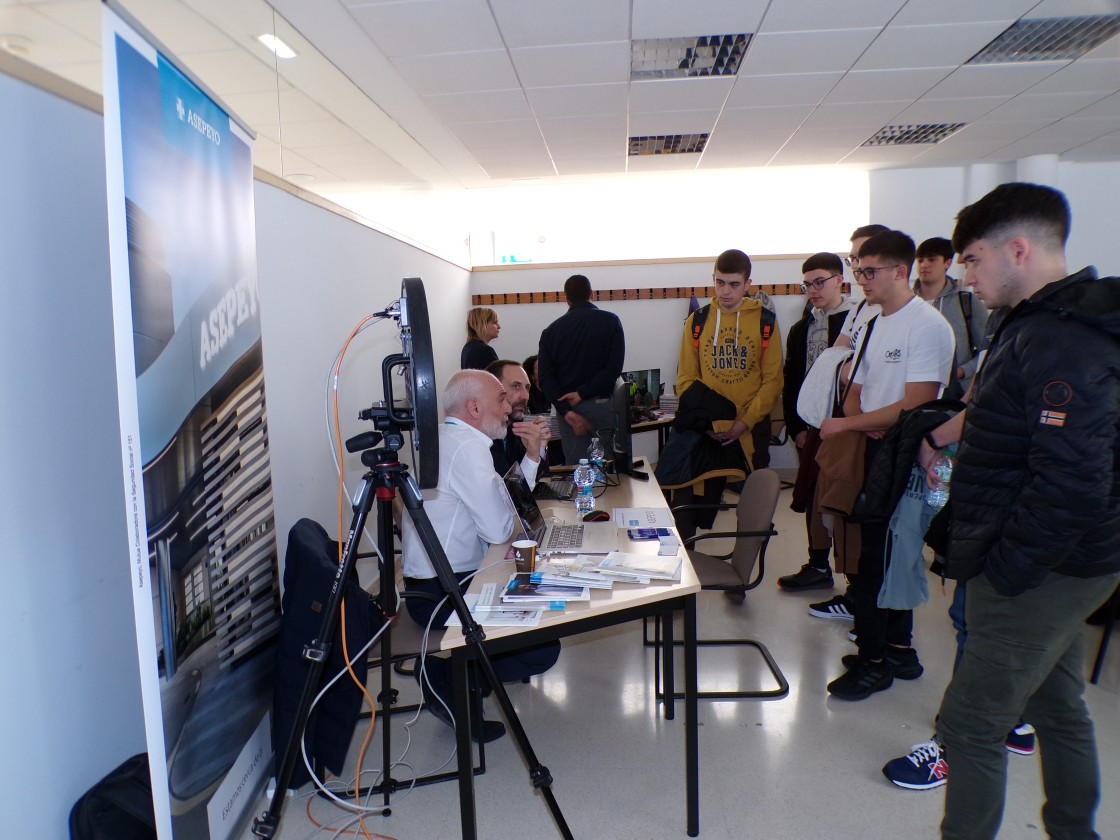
x=119, y=807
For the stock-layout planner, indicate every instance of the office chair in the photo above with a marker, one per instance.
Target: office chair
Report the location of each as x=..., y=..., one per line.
x=739, y=570
x=1109, y=611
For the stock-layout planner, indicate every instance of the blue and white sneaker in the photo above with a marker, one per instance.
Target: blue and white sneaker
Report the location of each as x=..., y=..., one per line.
x=924, y=768
x=1020, y=740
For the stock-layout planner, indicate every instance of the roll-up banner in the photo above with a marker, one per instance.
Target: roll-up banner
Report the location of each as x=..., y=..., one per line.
x=194, y=433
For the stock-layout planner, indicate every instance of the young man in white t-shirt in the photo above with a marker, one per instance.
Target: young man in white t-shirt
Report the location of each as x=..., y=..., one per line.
x=907, y=361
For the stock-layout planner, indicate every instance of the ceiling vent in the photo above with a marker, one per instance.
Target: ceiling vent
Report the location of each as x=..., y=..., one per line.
x=1048, y=39
x=680, y=58
x=668, y=144
x=913, y=135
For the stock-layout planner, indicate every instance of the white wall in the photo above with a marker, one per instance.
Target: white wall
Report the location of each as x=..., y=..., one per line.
x=70, y=710
x=319, y=275
x=925, y=203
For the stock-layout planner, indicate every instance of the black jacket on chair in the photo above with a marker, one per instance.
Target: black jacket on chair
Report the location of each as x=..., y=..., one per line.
x=311, y=565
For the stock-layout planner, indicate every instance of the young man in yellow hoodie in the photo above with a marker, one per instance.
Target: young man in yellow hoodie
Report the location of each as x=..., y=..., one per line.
x=735, y=350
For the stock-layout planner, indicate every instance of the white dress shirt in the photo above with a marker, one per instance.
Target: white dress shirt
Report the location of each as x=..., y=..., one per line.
x=468, y=507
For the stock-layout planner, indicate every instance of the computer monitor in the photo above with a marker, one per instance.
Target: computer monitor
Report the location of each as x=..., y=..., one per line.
x=645, y=387
x=620, y=443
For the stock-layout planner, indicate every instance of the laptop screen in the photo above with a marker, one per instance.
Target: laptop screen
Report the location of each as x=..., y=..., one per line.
x=525, y=506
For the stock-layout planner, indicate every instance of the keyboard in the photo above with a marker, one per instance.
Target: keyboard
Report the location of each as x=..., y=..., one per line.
x=559, y=489
x=564, y=537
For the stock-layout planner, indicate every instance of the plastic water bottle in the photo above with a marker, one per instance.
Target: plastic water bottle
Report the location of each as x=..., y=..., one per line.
x=596, y=456
x=943, y=469
x=584, y=479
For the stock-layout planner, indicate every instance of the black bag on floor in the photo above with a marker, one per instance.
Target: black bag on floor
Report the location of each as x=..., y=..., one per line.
x=119, y=807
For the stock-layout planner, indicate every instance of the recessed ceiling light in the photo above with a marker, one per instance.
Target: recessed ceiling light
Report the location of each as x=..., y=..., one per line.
x=299, y=177
x=912, y=135
x=677, y=58
x=1048, y=39
x=667, y=144
x=277, y=46
x=16, y=44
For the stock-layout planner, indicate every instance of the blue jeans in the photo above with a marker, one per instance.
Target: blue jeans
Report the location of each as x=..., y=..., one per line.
x=1024, y=658
x=956, y=615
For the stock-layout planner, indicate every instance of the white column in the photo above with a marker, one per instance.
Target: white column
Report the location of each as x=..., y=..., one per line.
x=1038, y=169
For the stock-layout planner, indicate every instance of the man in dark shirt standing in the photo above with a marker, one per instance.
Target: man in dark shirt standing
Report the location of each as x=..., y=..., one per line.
x=581, y=357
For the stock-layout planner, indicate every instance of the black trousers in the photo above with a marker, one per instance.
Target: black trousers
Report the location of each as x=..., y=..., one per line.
x=514, y=666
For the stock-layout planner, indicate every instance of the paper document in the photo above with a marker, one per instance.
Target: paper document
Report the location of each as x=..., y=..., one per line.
x=643, y=518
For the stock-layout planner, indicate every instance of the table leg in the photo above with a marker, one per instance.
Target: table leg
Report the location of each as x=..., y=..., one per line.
x=464, y=753
x=691, y=722
x=669, y=692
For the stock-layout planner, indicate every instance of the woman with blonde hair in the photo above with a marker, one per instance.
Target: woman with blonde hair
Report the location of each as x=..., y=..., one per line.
x=482, y=328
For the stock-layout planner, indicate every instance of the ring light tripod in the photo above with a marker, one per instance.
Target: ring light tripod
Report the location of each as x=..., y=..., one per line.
x=387, y=476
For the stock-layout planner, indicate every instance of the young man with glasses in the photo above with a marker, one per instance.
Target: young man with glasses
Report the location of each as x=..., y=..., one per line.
x=840, y=606
x=822, y=278
x=907, y=361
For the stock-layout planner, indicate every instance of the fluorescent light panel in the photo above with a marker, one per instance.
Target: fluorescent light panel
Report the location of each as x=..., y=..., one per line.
x=693, y=57
x=668, y=144
x=913, y=135
x=275, y=45
x=1048, y=39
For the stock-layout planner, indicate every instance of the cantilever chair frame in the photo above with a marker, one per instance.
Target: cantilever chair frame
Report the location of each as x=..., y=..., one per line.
x=738, y=590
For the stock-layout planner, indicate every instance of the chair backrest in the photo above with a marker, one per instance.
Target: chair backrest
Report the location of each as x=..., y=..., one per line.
x=757, y=502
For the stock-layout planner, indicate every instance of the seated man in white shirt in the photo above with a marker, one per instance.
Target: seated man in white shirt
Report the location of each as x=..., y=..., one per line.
x=469, y=512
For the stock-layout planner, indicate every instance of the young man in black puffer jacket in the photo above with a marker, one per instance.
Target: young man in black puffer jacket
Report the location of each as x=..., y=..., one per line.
x=1036, y=512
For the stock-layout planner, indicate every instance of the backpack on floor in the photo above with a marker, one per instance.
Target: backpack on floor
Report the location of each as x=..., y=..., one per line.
x=119, y=807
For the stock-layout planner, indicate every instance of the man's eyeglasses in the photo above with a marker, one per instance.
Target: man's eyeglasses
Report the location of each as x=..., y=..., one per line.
x=869, y=273
x=817, y=284
x=851, y=261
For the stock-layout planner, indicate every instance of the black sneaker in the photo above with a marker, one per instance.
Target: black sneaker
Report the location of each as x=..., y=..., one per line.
x=482, y=731
x=862, y=681
x=904, y=664
x=835, y=607
x=807, y=577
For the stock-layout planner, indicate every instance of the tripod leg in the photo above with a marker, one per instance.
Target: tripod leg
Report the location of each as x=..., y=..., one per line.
x=316, y=655
x=475, y=638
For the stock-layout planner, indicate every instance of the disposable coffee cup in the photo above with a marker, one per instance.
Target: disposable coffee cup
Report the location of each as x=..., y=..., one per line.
x=525, y=555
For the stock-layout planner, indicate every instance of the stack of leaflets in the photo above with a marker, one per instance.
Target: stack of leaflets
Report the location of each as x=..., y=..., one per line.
x=642, y=568
x=522, y=589
x=488, y=610
x=581, y=570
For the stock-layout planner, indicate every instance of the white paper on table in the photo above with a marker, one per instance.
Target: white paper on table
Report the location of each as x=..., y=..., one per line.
x=643, y=518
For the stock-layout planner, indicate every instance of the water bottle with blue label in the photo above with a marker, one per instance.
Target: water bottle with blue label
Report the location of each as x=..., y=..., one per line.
x=584, y=480
x=943, y=469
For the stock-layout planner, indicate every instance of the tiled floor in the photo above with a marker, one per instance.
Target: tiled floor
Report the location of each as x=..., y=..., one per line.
x=806, y=766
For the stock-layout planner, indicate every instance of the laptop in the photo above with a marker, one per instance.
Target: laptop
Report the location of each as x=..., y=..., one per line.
x=580, y=538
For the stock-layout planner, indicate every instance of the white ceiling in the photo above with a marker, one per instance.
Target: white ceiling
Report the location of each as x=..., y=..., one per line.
x=470, y=93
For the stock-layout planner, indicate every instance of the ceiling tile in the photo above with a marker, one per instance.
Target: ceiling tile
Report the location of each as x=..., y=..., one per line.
x=233, y=71
x=294, y=106
x=578, y=100
x=919, y=12
x=429, y=27
x=571, y=22
x=859, y=86
x=1006, y=131
x=994, y=79
x=950, y=110
x=672, y=122
x=590, y=166
x=805, y=52
x=781, y=118
x=1052, y=105
x=928, y=46
x=788, y=89
x=1081, y=76
x=576, y=129
x=678, y=94
x=357, y=154
x=661, y=163
x=865, y=116
x=1107, y=107
x=493, y=104
x=458, y=72
x=499, y=132
x=51, y=42
x=572, y=64
x=802, y=15
x=322, y=133
x=883, y=155
x=1105, y=148
x=658, y=19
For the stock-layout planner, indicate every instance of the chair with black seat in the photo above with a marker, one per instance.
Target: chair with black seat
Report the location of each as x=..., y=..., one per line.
x=740, y=570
